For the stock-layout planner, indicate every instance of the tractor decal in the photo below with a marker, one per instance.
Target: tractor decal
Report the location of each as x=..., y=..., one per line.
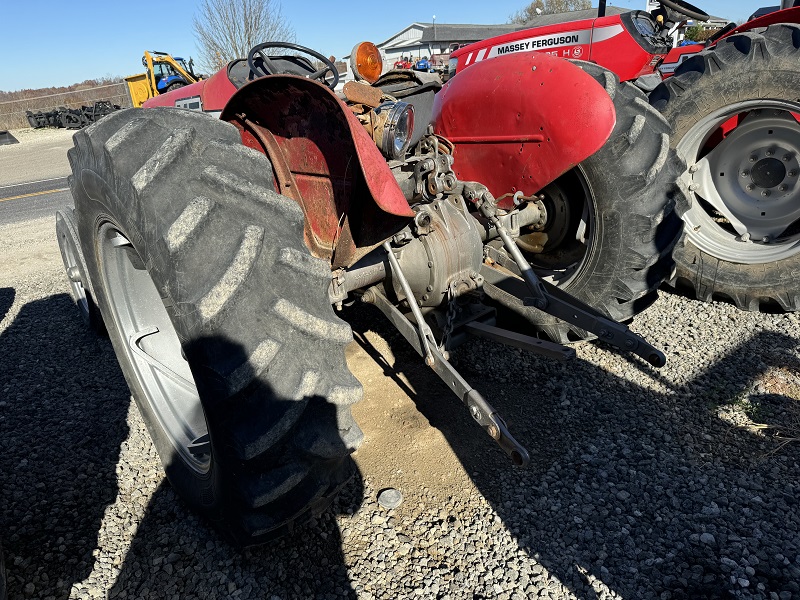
x=569, y=45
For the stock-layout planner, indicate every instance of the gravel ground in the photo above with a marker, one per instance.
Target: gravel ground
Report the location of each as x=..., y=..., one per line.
x=678, y=483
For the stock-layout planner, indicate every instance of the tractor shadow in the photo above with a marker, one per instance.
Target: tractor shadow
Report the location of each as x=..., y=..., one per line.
x=175, y=552
x=63, y=404
x=604, y=510
x=85, y=506
x=7, y=296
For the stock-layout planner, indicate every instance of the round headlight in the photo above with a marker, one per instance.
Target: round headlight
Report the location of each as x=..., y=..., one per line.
x=398, y=127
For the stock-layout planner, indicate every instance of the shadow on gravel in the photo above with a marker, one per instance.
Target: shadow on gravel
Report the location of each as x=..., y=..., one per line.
x=176, y=555
x=63, y=413
x=63, y=404
x=644, y=494
x=7, y=296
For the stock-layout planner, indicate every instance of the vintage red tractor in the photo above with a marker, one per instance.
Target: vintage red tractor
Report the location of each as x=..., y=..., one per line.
x=216, y=230
x=734, y=107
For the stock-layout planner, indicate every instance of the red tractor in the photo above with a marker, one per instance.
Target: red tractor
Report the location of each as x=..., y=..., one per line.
x=216, y=230
x=734, y=108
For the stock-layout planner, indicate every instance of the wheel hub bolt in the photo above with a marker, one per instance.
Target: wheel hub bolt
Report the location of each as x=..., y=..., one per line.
x=693, y=187
x=745, y=173
x=751, y=187
x=753, y=158
x=770, y=152
x=765, y=239
x=783, y=188
x=787, y=158
x=765, y=193
x=792, y=173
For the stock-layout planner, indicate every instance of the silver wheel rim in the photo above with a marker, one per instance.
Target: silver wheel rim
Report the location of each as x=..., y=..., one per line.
x=561, y=267
x=70, y=257
x=746, y=205
x=153, y=349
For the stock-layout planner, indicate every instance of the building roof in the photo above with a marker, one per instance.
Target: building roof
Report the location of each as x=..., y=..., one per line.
x=447, y=32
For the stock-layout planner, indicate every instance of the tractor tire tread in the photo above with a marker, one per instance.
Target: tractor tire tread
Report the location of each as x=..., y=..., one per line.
x=228, y=255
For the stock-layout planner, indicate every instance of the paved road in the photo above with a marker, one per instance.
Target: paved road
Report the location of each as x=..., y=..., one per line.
x=27, y=201
x=33, y=175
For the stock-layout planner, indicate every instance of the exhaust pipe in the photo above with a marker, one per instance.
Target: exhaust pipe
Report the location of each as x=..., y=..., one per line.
x=601, y=8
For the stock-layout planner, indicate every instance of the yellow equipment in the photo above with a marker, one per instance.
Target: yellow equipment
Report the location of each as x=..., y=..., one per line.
x=164, y=74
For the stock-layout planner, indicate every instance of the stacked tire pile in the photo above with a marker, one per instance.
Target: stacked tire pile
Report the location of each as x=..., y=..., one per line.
x=71, y=118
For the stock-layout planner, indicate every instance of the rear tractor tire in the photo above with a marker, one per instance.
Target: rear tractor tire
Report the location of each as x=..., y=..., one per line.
x=219, y=317
x=612, y=221
x=735, y=110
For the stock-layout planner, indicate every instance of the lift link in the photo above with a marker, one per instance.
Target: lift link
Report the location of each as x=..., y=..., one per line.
x=549, y=299
x=483, y=412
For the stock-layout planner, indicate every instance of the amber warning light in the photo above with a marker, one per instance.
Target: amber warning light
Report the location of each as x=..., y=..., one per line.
x=366, y=62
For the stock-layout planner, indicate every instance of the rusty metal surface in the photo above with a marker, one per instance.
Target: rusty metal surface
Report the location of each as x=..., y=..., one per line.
x=362, y=94
x=286, y=184
x=332, y=167
x=522, y=120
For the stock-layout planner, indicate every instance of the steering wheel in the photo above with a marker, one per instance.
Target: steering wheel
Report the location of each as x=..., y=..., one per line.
x=269, y=67
x=687, y=9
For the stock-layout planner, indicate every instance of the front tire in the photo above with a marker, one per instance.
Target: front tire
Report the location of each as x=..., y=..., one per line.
x=612, y=221
x=219, y=317
x=734, y=112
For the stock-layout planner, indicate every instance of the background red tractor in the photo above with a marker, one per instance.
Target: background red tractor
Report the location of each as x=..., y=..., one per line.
x=734, y=108
x=216, y=229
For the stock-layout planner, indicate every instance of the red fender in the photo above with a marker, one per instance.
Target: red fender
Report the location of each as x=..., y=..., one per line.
x=325, y=160
x=522, y=120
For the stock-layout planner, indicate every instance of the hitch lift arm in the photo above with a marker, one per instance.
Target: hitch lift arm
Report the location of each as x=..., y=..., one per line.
x=550, y=299
x=483, y=412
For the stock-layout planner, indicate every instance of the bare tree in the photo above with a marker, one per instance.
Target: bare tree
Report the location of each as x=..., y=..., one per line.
x=547, y=7
x=227, y=29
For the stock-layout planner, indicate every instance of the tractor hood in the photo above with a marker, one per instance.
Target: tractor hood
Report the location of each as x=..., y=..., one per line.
x=522, y=120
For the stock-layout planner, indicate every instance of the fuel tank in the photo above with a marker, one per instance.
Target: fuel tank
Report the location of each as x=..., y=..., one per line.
x=521, y=120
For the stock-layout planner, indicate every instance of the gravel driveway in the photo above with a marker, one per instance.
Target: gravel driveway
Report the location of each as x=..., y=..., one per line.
x=678, y=483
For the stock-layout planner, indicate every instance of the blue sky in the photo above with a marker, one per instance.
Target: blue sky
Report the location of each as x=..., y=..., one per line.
x=43, y=45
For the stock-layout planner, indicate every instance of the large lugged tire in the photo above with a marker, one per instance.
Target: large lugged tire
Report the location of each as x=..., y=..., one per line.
x=617, y=224
x=731, y=108
x=219, y=317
